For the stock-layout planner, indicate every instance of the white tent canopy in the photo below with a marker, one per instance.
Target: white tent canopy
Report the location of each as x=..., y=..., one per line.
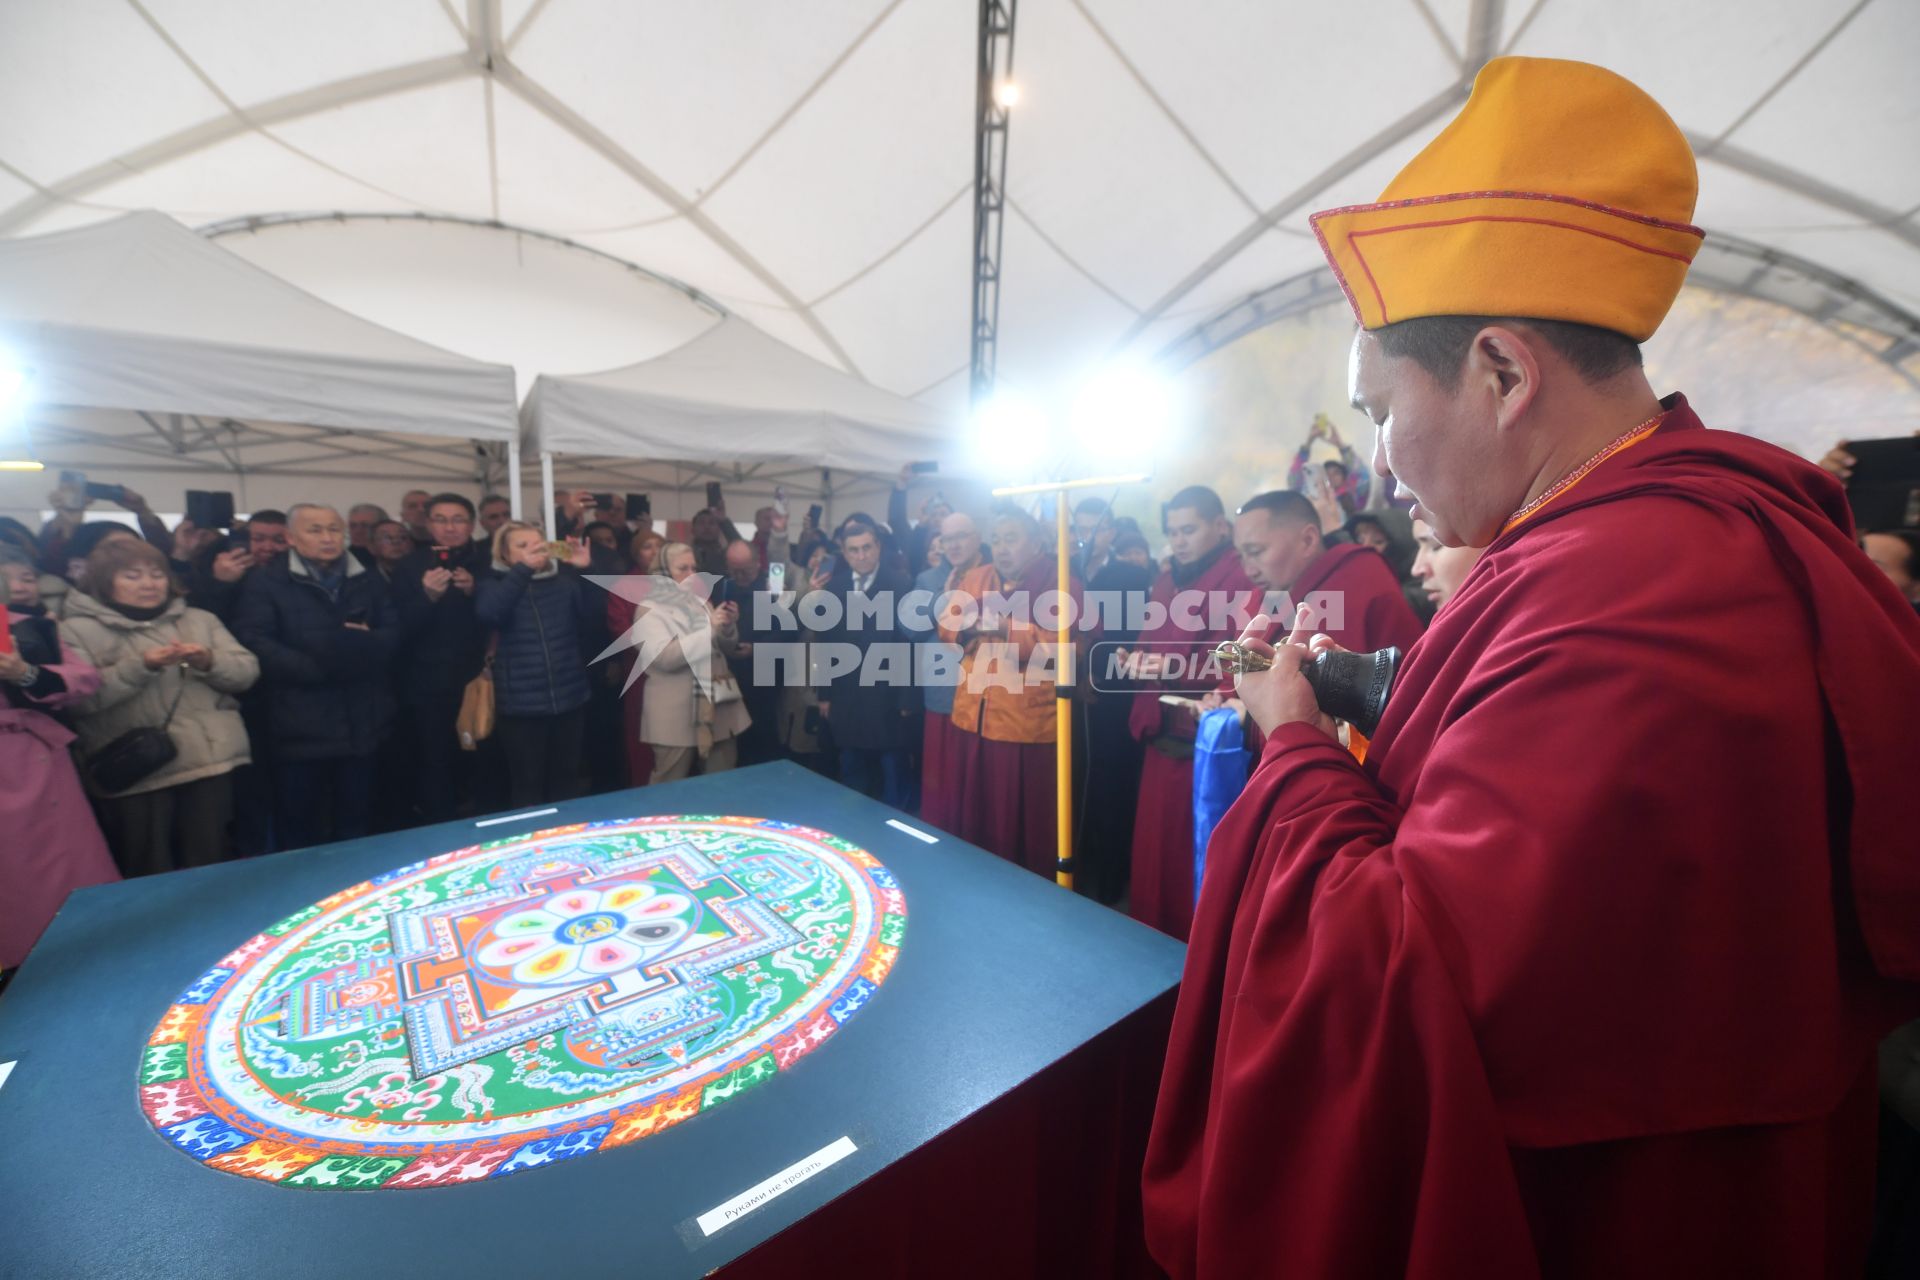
x=141, y=314
x=732, y=394
x=809, y=166
x=573, y=184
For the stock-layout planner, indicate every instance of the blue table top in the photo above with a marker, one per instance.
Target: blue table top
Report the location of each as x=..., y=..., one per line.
x=1002, y=974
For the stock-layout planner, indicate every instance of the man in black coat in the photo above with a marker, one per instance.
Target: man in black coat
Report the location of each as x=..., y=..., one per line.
x=442, y=646
x=325, y=631
x=870, y=701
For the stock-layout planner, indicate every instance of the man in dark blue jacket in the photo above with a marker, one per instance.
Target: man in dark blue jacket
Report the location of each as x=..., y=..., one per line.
x=325, y=632
x=442, y=646
x=871, y=696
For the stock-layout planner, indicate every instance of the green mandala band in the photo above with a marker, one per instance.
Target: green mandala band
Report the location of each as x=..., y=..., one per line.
x=517, y=1003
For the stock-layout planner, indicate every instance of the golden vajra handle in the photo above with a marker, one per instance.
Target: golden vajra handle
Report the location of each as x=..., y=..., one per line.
x=1237, y=659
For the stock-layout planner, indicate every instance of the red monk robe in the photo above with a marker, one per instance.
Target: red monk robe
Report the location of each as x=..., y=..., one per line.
x=1581, y=974
x=1372, y=611
x=1161, y=892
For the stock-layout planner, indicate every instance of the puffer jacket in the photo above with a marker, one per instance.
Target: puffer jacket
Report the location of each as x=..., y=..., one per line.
x=206, y=726
x=328, y=686
x=538, y=669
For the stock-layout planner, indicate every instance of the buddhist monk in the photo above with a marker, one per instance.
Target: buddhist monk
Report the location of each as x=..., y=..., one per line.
x=1353, y=592
x=1205, y=575
x=1582, y=971
x=1440, y=570
x=1003, y=708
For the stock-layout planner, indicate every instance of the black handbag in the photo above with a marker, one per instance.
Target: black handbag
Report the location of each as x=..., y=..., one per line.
x=136, y=754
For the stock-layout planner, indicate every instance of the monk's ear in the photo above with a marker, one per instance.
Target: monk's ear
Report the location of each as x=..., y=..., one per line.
x=1502, y=363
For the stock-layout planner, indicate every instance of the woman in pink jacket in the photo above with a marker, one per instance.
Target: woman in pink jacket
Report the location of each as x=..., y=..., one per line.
x=53, y=844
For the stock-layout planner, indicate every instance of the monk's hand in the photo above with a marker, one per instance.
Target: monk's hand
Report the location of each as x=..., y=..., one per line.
x=1280, y=695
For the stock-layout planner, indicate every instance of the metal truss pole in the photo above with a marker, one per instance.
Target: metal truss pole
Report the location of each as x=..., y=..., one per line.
x=989, y=186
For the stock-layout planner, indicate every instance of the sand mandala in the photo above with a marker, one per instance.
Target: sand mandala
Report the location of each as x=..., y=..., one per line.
x=517, y=1003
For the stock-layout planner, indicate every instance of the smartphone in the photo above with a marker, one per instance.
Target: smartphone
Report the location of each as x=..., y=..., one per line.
x=923, y=468
x=639, y=506
x=603, y=502
x=780, y=498
x=210, y=509
x=444, y=555
x=104, y=492
x=714, y=499
x=74, y=480
x=777, y=579
x=830, y=566
x=1885, y=474
x=814, y=513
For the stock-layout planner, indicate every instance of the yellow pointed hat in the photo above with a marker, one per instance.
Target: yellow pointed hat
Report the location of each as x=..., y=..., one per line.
x=1560, y=192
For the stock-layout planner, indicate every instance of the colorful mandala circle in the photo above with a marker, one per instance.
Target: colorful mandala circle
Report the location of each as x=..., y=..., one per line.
x=516, y=1003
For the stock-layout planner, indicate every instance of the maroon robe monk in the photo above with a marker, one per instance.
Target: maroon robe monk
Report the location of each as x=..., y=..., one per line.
x=1206, y=575
x=1355, y=597
x=1582, y=972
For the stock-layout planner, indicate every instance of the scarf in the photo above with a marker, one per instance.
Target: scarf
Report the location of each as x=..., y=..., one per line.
x=1185, y=575
x=138, y=615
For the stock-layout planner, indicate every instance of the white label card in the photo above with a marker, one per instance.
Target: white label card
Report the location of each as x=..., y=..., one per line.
x=780, y=1183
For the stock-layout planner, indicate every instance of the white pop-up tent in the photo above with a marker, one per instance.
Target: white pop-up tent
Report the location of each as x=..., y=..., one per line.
x=731, y=395
x=142, y=341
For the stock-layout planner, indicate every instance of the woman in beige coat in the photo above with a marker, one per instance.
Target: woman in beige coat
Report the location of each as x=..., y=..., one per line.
x=693, y=712
x=156, y=655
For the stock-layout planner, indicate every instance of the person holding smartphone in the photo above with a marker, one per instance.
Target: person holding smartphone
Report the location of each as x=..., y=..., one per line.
x=539, y=607
x=70, y=501
x=712, y=534
x=441, y=648
x=324, y=628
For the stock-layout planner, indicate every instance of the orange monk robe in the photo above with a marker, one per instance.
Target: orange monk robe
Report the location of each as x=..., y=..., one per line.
x=1004, y=718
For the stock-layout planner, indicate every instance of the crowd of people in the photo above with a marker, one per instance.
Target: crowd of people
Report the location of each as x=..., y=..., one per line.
x=183, y=695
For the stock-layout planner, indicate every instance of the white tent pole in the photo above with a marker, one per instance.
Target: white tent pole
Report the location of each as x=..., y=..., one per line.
x=546, y=492
x=513, y=479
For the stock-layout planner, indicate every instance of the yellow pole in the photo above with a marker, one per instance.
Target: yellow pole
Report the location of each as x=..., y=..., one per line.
x=1063, y=706
x=1063, y=692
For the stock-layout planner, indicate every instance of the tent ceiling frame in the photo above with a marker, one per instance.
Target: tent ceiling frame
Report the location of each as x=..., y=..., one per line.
x=257, y=222
x=1727, y=264
x=1483, y=33
x=993, y=66
x=440, y=468
x=184, y=142
x=53, y=459
x=173, y=433
x=487, y=55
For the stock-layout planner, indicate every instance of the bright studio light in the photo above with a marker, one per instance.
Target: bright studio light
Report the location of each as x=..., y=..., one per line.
x=1006, y=95
x=1123, y=417
x=1010, y=426
x=12, y=383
